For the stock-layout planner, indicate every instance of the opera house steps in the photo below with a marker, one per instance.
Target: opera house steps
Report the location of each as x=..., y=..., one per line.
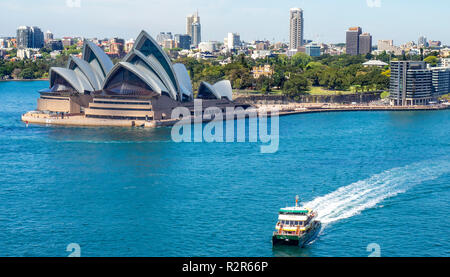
x=120, y=109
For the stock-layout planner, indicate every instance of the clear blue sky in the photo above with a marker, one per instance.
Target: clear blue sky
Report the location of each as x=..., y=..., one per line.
x=325, y=20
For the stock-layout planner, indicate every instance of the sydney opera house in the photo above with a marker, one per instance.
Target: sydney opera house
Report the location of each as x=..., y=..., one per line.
x=144, y=86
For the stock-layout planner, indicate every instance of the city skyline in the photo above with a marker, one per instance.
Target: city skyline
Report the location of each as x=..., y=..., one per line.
x=322, y=23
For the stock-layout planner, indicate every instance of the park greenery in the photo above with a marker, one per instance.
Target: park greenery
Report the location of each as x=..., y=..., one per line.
x=294, y=76
x=28, y=69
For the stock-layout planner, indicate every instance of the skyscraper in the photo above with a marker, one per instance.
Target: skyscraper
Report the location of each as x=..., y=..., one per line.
x=296, y=28
x=30, y=37
x=352, y=43
x=38, y=37
x=24, y=37
x=196, y=33
x=365, y=44
x=194, y=28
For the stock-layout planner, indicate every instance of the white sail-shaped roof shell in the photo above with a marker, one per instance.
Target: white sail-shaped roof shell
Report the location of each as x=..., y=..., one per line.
x=142, y=72
x=150, y=48
x=97, y=58
x=85, y=68
x=76, y=79
x=183, y=79
x=220, y=90
x=224, y=89
x=157, y=71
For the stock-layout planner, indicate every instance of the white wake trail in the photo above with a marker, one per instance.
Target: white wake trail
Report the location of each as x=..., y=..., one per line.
x=353, y=199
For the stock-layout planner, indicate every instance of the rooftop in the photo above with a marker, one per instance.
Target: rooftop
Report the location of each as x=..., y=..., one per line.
x=375, y=63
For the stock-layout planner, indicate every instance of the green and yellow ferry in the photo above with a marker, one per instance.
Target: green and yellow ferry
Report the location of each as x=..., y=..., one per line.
x=296, y=226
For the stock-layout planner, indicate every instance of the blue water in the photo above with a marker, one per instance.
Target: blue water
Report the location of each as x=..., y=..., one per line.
x=375, y=177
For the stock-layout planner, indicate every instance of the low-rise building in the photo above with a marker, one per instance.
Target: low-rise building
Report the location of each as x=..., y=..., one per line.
x=208, y=46
x=259, y=71
x=313, y=50
x=261, y=54
x=440, y=81
x=375, y=63
x=444, y=62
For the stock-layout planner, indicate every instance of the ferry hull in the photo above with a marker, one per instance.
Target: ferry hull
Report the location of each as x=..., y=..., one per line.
x=297, y=240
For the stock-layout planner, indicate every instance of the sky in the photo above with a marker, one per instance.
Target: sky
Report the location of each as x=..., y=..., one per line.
x=325, y=20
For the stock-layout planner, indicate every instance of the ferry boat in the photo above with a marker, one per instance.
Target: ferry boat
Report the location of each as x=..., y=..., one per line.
x=296, y=226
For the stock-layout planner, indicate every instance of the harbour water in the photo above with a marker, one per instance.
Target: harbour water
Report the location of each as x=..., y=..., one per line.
x=375, y=178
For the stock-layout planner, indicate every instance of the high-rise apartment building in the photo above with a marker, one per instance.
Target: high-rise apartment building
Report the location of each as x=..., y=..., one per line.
x=30, y=37
x=194, y=29
x=24, y=37
x=352, y=40
x=365, y=44
x=296, y=28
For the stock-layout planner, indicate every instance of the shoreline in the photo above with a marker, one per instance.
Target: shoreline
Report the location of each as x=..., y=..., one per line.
x=81, y=120
x=366, y=109
x=24, y=80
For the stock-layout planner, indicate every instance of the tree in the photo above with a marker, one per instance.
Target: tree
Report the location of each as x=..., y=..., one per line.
x=300, y=60
x=27, y=73
x=432, y=60
x=385, y=94
x=385, y=57
x=296, y=86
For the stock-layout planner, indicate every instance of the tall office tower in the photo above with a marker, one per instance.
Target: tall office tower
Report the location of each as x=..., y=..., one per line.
x=48, y=36
x=352, y=44
x=296, y=28
x=196, y=34
x=193, y=28
x=365, y=44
